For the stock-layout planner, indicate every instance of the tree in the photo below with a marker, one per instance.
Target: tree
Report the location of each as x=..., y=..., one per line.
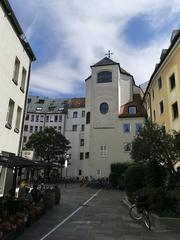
x=48, y=144
x=154, y=147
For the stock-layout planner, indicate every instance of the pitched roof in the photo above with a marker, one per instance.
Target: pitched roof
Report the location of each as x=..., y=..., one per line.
x=104, y=61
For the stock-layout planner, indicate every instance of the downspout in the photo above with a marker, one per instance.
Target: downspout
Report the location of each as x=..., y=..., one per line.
x=24, y=112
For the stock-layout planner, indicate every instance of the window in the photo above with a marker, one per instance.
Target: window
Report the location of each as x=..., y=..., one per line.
x=37, y=118
x=74, y=128
x=175, y=110
x=47, y=118
x=36, y=128
x=55, y=127
x=82, y=127
x=88, y=117
x=31, y=129
x=81, y=142
x=25, y=128
x=10, y=114
x=87, y=155
x=103, y=151
x=83, y=114
x=27, y=117
x=60, y=118
x=29, y=100
x=160, y=83
x=80, y=172
x=132, y=110
x=81, y=156
x=153, y=93
x=172, y=81
x=23, y=80
x=127, y=147
x=55, y=118
x=18, y=119
x=75, y=114
x=40, y=128
x=32, y=118
x=42, y=118
x=104, y=77
x=104, y=108
x=51, y=118
x=139, y=127
x=154, y=113
x=126, y=128
x=39, y=109
x=161, y=106
x=98, y=172
x=24, y=139
x=16, y=71
x=59, y=128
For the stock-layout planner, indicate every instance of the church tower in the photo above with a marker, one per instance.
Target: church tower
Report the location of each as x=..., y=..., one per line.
x=107, y=89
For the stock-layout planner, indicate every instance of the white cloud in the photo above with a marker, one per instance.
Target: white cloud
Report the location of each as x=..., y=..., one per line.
x=84, y=30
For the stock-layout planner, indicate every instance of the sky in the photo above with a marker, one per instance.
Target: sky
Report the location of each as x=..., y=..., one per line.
x=68, y=36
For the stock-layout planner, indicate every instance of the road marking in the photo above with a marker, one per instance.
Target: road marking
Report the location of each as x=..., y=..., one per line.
x=67, y=218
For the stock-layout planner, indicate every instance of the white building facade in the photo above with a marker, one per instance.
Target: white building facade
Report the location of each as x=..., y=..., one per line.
x=15, y=65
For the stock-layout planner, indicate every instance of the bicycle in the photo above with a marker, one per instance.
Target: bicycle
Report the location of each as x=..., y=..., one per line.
x=139, y=212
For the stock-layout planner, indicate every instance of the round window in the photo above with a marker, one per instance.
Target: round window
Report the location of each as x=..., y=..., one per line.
x=104, y=108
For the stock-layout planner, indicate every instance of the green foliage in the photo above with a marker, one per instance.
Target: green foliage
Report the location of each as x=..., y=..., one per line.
x=134, y=178
x=48, y=144
x=116, y=176
x=153, y=144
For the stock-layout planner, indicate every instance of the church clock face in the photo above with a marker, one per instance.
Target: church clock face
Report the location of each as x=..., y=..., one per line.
x=104, y=108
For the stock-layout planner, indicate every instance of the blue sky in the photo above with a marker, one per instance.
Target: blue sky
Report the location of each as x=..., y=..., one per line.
x=68, y=36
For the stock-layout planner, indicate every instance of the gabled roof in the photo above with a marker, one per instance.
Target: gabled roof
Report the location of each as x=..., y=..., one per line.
x=104, y=61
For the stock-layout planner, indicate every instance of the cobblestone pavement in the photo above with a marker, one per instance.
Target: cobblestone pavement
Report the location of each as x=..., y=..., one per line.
x=104, y=217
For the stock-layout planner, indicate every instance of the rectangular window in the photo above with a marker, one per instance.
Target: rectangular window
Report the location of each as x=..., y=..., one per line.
x=23, y=80
x=25, y=128
x=75, y=114
x=24, y=139
x=99, y=172
x=16, y=71
x=39, y=109
x=80, y=172
x=18, y=119
x=139, y=127
x=153, y=93
x=86, y=155
x=82, y=128
x=40, y=128
x=37, y=118
x=42, y=118
x=31, y=129
x=27, y=117
x=126, y=128
x=32, y=118
x=103, y=151
x=55, y=118
x=51, y=118
x=160, y=83
x=175, y=111
x=172, y=81
x=154, y=113
x=81, y=142
x=59, y=128
x=10, y=111
x=127, y=147
x=81, y=156
x=60, y=118
x=74, y=128
x=161, y=107
x=47, y=118
x=83, y=114
x=36, y=129
x=132, y=110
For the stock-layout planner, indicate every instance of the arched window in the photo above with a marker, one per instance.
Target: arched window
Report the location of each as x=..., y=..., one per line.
x=87, y=117
x=104, y=108
x=104, y=77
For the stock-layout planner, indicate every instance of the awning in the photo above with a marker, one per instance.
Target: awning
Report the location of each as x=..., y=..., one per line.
x=20, y=162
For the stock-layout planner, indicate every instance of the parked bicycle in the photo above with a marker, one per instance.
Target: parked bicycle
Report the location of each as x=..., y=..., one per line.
x=140, y=211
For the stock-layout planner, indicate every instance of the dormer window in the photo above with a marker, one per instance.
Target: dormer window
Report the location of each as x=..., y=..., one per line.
x=132, y=110
x=104, y=77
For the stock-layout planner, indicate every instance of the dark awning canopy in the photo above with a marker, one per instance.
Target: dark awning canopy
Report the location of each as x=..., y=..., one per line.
x=20, y=162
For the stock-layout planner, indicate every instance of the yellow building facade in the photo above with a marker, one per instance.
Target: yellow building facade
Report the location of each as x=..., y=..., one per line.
x=162, y=96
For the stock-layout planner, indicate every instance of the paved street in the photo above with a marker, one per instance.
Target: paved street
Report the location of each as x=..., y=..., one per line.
x=103, y=217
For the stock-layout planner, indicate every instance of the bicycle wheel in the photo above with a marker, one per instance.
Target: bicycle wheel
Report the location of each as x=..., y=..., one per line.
x=134, y=213
x=146, y=220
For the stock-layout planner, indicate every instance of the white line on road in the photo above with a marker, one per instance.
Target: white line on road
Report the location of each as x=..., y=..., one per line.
x=67, y=218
